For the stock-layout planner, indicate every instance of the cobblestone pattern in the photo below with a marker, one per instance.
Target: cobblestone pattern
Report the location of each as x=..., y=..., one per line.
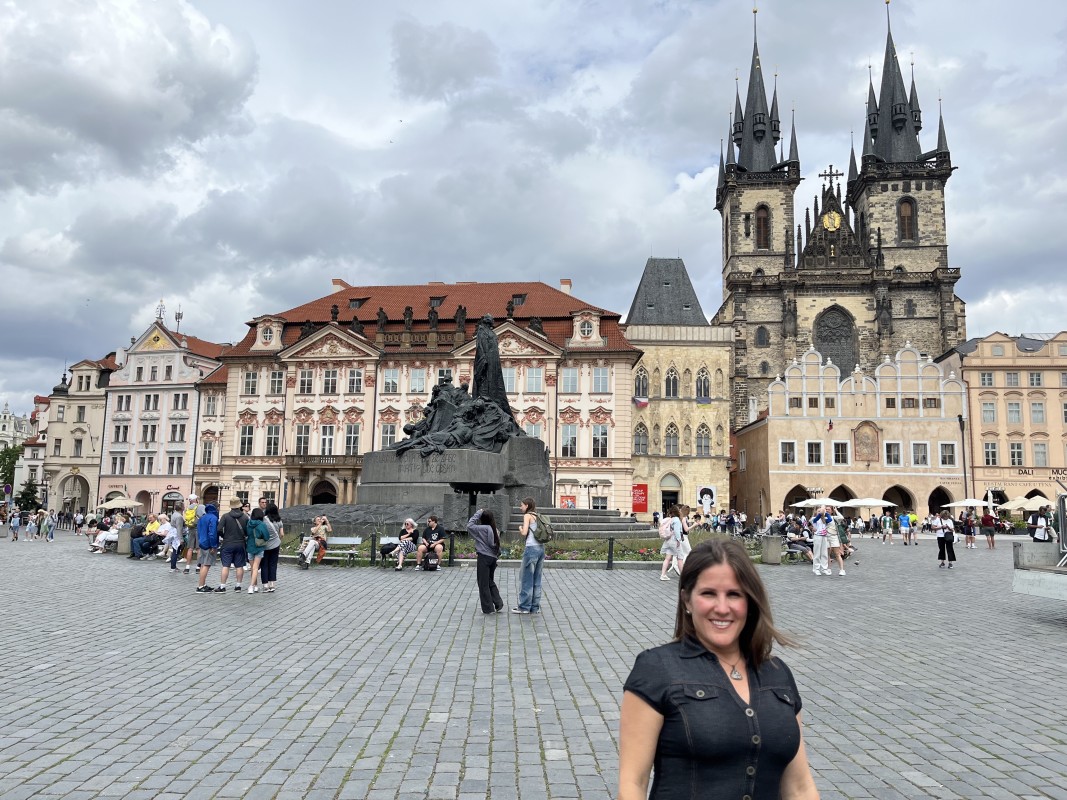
x=119, y=682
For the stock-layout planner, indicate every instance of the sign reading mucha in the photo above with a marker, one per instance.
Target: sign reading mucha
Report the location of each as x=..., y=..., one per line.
x=866, y=444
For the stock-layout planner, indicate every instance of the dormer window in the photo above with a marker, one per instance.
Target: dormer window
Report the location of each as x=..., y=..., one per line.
x=435, y=302
x=357, y=302
x=586, y=329
x=268, y=335
x=518, y=299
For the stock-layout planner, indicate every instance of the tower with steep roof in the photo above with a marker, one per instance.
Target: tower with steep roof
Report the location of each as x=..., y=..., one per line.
x=754, y=196
x=863, y=272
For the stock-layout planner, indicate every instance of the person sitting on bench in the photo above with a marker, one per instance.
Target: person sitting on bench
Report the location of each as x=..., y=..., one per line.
x=432, y=537
x=315, y=547
x=408, y=542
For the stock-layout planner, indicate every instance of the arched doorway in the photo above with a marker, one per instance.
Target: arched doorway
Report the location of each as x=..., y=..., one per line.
x=74, y=494
x=169, y=499
x=795, y=495
x=113, y=495
x=323, y=493
x=210, y=495
x=834, y=336
x=998, y=496
x=144, y=497
x=670, y=489
x=1037, y=493
x=900, y=497
x=939, y=498
x=842, y=493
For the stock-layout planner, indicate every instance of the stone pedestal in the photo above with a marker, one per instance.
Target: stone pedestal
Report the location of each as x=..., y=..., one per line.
x=122, y=546
x=772, y=549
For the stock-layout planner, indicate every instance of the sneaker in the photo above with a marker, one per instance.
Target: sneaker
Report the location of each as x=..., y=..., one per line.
x=827, y=572
x=664, y=578
x=173, y=570
x=270, y=589
x=186, y=571
x=841, y=573
x=950, y=566
x=418, y=567
x=519, y=611
x=204, y=590
x=816, y=571
x=219, y=590
x=237, y=588
x=398, y=568
x=940, y=566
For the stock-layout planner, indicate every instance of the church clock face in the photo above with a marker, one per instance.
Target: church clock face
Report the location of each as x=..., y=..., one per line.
x=831, y=220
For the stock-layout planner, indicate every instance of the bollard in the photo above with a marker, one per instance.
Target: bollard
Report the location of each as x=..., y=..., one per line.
x=373, y=548
x=611, y=553
x=451, y=549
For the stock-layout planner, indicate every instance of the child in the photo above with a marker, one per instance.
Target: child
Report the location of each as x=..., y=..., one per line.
x=173, y=540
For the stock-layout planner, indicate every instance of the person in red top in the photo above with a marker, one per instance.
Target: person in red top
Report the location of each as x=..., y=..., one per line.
x=989, y=528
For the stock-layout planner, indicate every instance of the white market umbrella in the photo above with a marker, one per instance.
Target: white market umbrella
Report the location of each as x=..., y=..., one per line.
x=815, y=502
x=1035, y=503
x=968, y=502
x=1015, y=504
x=868, y=502
x=120, y=502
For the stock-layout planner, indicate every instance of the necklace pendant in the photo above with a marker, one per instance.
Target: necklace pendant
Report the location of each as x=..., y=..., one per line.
x=736, y=675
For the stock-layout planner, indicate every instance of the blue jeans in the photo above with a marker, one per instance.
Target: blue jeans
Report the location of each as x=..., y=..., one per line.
x=533, y=560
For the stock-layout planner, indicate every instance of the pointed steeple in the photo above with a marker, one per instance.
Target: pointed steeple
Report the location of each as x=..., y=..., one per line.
x=794, y=151
x=738, y=126
x=722, y=169
x=731, y=159
x=872, y=109
x=757, y=141
x=942, y=139
x=896, y=139
x=913, y=99
x=853, y=173
x=868, y=142
x=776, y=123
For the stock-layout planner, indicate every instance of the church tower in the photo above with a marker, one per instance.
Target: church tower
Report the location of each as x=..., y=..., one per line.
x=864, y=275
x=898, y=198
x=754, y=196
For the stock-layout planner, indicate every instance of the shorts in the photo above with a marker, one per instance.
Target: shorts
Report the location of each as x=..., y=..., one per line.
x=833, y=540
x=671, y=547
x=234, y=557
x=988, y=531
x=207, y=558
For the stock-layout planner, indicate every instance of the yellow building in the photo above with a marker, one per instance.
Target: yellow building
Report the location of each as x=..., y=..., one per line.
x=894, y=434
x=681, y=395
x=1017, y=398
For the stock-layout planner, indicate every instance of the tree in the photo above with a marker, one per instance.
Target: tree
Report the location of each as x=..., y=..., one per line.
x=27, y=497
x=9, y=456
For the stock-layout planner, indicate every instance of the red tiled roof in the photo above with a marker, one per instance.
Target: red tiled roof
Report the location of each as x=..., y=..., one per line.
x=33, y=440
x=40, y=399
x=201, y=347
x=108, y=362
x=217, y=377
x=552, y=306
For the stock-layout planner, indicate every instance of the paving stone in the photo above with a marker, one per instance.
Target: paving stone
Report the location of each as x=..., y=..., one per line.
x=925, y=664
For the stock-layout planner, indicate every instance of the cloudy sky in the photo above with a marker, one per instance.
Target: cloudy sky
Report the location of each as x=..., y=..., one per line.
x=232, y=156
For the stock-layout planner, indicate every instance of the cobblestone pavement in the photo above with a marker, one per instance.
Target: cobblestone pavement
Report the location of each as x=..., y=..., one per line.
x=119, y=681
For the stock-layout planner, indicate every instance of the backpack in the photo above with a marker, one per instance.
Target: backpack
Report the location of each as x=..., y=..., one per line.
x=666, y=530
x=430, y=561
x=190, y=517
x=544, y=533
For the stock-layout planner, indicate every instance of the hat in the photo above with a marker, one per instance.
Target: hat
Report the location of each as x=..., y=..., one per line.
x=236, y=502
x=192, y=498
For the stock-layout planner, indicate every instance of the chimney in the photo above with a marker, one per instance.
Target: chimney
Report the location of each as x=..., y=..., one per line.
x=339, y=283
x=565, y=285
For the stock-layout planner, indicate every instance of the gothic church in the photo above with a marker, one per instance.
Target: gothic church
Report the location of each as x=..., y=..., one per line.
x=864, y=273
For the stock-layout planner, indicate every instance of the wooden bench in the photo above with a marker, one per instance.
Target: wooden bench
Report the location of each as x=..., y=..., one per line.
x=333, y=555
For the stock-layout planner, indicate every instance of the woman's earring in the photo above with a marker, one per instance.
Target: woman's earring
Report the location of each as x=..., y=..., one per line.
x=687, y=611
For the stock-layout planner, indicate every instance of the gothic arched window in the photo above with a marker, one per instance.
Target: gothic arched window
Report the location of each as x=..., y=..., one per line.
x=670, y=441
x=703, y=383
x=763, y=337
x=764, y=368
x=640, y=440
x=907, y=221
x=641, y=383
x=670, y=385
x=703, y=441
x=763, y=228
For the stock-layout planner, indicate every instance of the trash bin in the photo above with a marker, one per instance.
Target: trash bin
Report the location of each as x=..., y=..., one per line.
x=122, y=547
x=772, y=549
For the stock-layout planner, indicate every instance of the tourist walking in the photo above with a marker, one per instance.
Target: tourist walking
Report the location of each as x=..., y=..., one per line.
x=177, y=521
x=14, y=522
x=713, y=713
x=207, y=540
x=172, y=538
x=482, y=528
x=821, y=522
x=533, y=561
x=671, y=533
x=232, y=528
x=269, y=564
x=946, y=535
x=256, y=541
x=47, y=525
x=989, y=529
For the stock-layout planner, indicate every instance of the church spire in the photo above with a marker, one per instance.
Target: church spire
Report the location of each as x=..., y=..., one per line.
x=731, y=160
x=853, y=173
x=942, y=139
x=896, y=138
x=913, y=99
x=739, y=118
x=722, y=169
x=794, y=152
x=776, y=123
x=757, y=139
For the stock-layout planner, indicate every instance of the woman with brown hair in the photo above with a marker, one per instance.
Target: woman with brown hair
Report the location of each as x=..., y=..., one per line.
x=482, y=528
x=713, y=713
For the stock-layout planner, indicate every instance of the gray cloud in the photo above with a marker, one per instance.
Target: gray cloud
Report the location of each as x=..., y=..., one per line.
x=434, y=61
